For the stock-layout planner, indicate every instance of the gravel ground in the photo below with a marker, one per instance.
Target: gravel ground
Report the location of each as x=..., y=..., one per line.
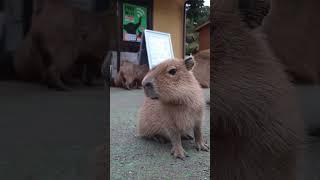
x=135, y=158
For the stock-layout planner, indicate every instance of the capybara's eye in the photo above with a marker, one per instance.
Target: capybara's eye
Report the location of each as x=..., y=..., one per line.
x=172, y=71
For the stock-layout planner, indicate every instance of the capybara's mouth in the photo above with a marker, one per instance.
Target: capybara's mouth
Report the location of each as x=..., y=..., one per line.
x=150, y=93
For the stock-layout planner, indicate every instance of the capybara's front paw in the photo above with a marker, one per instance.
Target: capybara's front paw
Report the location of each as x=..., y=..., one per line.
x=202, y=146
x=178, y=152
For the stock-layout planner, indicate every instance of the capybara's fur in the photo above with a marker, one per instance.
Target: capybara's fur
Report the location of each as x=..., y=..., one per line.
x=130, y=75
x=173, y=105
x=51, y=49
x=257, y=129
x=89, y=68
x=292, y=28
x=202, y=69
x=253, y=12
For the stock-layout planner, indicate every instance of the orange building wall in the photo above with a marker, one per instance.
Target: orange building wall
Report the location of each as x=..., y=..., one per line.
x=168, y=18
x=204, y=38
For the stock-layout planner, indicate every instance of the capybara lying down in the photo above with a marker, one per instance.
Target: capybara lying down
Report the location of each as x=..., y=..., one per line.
x=173, y=105
x=257, y=129
x=202, y=69
x=130, y=75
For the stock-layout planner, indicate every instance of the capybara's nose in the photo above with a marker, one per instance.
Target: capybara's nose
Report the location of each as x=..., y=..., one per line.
x=147, y=85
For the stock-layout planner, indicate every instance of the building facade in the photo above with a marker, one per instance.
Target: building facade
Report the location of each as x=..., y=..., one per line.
x=204, y=36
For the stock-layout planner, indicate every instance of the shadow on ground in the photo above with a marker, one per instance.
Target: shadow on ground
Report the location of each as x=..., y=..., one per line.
x=135, y=158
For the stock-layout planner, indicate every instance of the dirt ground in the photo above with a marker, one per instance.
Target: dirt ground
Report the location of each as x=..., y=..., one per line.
x=135, y=158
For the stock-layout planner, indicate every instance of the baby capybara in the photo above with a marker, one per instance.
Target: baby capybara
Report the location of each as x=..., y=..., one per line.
x=257, y=130
x=173, y=105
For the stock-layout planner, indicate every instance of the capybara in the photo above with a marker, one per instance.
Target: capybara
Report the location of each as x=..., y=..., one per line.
x=292, y=29
x=173, y=105
x=257, y=129
x=253, y=12
x=51, y=49
x=89, y=68
x=130, y=75
x=202, y=68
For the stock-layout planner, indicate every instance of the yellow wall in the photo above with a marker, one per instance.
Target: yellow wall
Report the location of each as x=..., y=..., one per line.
x=168, y=17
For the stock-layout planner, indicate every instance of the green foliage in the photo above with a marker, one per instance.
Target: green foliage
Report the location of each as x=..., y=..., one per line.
x=193, y=7
x=197, y=14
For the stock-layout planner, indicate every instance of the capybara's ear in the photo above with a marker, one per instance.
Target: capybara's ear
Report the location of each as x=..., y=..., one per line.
x=189, y=62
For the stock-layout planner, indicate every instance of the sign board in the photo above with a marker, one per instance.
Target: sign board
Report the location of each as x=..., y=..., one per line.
x=134, y=22
x=155, y=48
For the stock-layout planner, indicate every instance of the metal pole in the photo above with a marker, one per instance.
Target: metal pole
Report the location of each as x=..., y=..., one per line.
x=118, y=34
x=184, y=30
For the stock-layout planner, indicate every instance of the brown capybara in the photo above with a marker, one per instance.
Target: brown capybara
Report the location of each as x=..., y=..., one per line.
x=202, y=68
x=173, y=105
x=253, y=12
x=130, y=75
x=51, y=49
x=292, y=28
x=257, y=130
x=89, y=68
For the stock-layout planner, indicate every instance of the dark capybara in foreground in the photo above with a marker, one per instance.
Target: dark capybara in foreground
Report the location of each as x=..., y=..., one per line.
x=257, y=130
x=292, y=28
x=253, y=12
x=173, y=105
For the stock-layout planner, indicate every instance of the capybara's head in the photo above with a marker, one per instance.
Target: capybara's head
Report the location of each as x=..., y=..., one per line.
x=171, y=81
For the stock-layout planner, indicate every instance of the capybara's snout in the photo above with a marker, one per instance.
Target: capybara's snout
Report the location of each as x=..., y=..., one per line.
x=149, y=88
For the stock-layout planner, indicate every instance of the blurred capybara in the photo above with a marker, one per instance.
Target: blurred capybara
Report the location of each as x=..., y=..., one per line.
x=257, y=129
x=173, y=105
x=51, y=49
x=292, y=28
x=89, y=68
x=202, y=68
x=253, y=12
x=130, y=75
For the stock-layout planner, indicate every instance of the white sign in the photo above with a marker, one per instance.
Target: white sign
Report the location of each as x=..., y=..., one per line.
x=158, y=46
